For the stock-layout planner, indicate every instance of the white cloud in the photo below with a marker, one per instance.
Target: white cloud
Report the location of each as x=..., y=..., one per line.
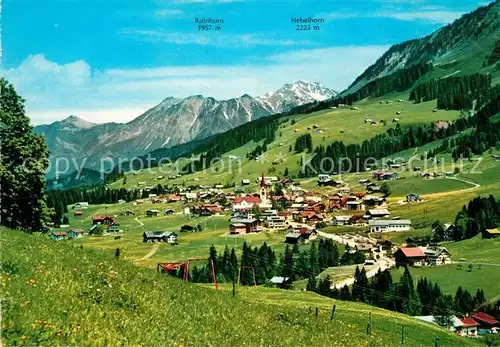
x=162, y=13
x=219, y=40
x=432, y=14
x=54, y=91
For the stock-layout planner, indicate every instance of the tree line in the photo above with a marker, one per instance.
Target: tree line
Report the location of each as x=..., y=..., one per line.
x=302, y=143
x=424, y=299
x=479, y=215
x=455, y=92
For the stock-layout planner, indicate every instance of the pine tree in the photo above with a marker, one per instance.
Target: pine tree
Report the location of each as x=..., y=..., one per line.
x=313, y=260
x=311, y=284
x=345, y=294
x=23, y=165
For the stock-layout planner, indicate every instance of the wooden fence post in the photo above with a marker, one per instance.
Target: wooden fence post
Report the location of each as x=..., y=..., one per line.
x=437, y=342
x=333, y=312
x=369, y=325
x=402, y=336
x=316, y=312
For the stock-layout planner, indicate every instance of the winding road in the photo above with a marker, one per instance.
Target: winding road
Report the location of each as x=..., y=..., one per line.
x=152, y=252
x=382, y=264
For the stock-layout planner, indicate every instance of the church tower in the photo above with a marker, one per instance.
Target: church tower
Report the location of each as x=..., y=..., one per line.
x=263, y=190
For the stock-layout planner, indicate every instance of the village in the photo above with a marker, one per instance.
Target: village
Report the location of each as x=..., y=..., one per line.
x=301, y=216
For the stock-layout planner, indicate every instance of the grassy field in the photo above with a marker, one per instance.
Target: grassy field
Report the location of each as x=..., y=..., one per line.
x=476, y=250
x=56, y=294
x=340, y=124
x=214, y=232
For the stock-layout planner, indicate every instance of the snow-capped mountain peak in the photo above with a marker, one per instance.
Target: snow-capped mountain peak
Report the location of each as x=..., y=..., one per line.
x=174, y=121
x=298, y=93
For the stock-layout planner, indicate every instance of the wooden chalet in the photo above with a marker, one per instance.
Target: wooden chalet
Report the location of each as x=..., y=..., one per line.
x=244, y=226
x=159, y=236
x=152, y=213
x=102, y=219
x=75, y=233
x=492, y=233
x=58, y=235
x=410, y=256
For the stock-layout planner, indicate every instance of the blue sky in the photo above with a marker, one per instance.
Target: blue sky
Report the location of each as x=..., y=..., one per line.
x=111, y=60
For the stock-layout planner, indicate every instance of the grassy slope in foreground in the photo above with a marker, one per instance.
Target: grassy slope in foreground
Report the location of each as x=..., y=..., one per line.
x=55, y=294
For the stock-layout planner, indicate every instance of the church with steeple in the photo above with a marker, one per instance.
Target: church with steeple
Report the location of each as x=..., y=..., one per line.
x=264, y=201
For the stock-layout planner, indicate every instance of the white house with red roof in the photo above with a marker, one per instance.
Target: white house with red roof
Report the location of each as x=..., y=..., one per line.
x=245, y=202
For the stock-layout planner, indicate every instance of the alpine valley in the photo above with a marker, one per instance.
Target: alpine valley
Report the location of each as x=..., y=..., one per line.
x=173, y=121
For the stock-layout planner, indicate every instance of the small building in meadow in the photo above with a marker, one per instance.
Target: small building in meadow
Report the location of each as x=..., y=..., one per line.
x=437, y=256
x=159, y=236
x=410, y=256
x=80, y=206
x=412, y=197
x=152, y=213
x=280, y=282
x=492, y=233
x=102, y=219
x=114, y=228
x=78, y=213
x=75, y=233
x=378, y=213
x=340, y=220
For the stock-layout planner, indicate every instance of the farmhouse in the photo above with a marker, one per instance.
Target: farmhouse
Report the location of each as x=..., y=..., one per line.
x=485, y=320
x=114, y=228
x=75, y=233
x=412, y=256
x=324, y=180
x=169, y=211
x=373, y=201
x=174, y=198
x=308, y=217
x=81, y=206
x=373, y=188
x=275, y=222
x=378, y=225
x=279, y=282
x=422, y=256
x=99, y=219
x=152, y=213
x=378, y=213
x=129, y=213
x=251, y=226
x=57, y=235
x=492, y=233
x=78, y=213
x=456, y=326
x=304, y=235
x=355, y=205
x=469, y=326
x=437, y=256
x=187, y=228
x=412, y=197
x=159, y=236
x=340, y=220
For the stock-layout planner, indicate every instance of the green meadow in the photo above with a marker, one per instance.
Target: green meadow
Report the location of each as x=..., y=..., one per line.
x=59, y=294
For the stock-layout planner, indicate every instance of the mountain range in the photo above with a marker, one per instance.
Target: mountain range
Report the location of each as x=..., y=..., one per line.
x=173, y=121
